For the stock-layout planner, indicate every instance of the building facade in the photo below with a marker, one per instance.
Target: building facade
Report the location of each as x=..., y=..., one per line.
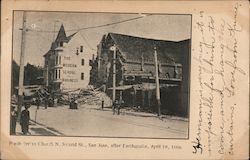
x=135, y=71
x=66, y=65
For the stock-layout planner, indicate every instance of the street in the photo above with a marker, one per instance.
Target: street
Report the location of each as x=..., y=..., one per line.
x=94, y=122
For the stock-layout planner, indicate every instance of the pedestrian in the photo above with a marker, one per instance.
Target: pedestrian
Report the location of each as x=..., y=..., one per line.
x=38, y=102
x=13, y=120
x=24, y=120
x=102, y=103
x=115, y=105
x=51, y=102
x=70, y=103
x=45, y=102
x=55, y=101
x=76, y=103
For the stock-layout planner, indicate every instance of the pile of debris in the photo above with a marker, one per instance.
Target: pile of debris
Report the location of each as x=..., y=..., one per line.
x=89, y=96
x=94, y=98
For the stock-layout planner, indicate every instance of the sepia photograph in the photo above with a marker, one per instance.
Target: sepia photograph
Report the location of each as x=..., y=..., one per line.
x=93, y=74
x=124, y=79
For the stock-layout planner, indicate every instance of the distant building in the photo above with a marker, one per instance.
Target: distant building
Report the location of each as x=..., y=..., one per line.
x=66, y=63
x=135, y=71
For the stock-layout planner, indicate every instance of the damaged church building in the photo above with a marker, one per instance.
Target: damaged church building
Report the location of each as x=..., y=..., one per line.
x=135, y=72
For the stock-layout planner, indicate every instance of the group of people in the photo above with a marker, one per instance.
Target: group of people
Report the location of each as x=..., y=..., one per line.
x=25, y=114
x=49, y=102
x=24, y=119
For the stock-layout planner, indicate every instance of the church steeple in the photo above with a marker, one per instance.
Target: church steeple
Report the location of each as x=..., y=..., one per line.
x=61, y=36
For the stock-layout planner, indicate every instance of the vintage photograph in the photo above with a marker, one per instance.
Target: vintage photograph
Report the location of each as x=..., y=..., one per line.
x=116, y=75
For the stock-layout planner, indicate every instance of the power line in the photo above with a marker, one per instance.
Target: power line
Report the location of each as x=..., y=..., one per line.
x=90, y=47
x=97, y=26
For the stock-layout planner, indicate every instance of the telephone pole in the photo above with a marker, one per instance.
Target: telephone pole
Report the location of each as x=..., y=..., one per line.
x=47, y=75
x=113, y=48
x=21, y=71
x=157, y=83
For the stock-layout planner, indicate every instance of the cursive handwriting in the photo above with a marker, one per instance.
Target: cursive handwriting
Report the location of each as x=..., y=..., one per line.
x=197, y=146
x=218, y=71
x=230, y=131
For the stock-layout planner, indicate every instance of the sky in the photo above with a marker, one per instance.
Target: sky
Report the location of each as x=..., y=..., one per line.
x=43, y=27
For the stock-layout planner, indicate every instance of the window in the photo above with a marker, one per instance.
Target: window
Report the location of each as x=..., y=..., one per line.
x=59, y=74
x=82, y=62
x=61, y=44
x=82, y=76
x=77, y=51
x=56, y=74
x=81, y=48
x=59, y=59
x=56, y=61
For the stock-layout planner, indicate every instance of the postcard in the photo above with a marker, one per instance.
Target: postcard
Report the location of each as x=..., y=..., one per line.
x=124, y=79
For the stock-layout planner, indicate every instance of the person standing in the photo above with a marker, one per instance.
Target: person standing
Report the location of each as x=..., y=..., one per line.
x=13, y=120
x=24, y=120
x=55, y=101
x=38, y=102
x=46, y=102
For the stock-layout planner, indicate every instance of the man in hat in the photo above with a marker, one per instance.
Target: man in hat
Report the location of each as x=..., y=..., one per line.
x=24, y=120
x=13, y=119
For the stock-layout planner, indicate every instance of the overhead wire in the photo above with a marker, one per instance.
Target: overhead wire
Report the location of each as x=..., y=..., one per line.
x=86, y=28
x=81, y=34
x=97, y=26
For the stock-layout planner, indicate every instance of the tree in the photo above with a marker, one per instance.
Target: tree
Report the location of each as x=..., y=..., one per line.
x=15, y=74
x=32, y=75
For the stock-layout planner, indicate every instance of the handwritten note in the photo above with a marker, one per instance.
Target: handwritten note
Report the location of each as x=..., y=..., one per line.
x=219, y=69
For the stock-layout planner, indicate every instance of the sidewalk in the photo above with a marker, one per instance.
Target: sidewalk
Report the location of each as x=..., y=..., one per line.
x=38, y=129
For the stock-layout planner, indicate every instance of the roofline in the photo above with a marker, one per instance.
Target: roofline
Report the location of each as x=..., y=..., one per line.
x=110, y=33
x=68, y=37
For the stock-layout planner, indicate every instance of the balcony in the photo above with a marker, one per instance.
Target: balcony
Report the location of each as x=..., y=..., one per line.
x=57, y=66
x=57, y=80
x=59, y=48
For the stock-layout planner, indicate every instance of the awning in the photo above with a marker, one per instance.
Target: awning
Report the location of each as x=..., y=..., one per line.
x=122, y=88
x=152, y=86
x=144, y=86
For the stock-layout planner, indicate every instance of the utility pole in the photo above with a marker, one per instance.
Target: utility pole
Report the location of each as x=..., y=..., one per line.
x=113, y=48
x=47, y=75
x=157, y=83
x=21, y=71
